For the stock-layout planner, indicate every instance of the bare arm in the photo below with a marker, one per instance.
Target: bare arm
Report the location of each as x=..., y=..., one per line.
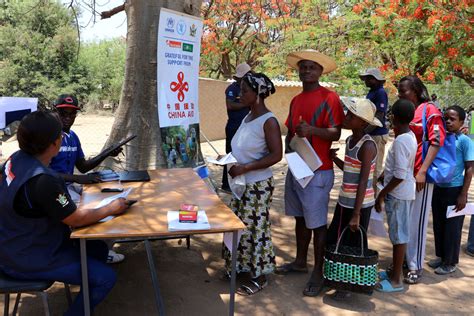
x=85, y=165
x=421, y=176
x=339, y=163
x=303, y=129
x=275, y=148
x=392, y=184
x=462, y=198
x=83, y=217
x=367, y=153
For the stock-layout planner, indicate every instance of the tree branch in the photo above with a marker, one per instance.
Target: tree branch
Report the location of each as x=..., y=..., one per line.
x=110, y=13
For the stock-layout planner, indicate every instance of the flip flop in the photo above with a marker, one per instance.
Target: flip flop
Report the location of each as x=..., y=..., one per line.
x=383, y=275
x=313, y=289
x=252, y=288
x=386, y=286
x=289, y=268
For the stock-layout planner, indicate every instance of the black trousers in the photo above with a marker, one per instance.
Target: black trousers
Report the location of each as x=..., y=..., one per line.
x=340, y=220
x=229, y=134
x=447, y=231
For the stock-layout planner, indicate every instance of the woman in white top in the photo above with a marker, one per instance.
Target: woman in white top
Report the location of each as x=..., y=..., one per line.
x=256, y=146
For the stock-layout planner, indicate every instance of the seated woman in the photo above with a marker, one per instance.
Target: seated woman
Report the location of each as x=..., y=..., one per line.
x=36, y=213
x=256, y=146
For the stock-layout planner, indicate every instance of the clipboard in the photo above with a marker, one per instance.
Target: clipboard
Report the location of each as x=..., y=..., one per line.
x=107, y=151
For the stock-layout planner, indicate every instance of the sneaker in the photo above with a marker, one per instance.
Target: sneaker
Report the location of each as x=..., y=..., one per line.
x=434, y=263
x=445, y=269
x=470, y=252
x=114, y=257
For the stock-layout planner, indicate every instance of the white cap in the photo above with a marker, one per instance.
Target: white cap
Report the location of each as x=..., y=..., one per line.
x=241, y=70
x=374, y=72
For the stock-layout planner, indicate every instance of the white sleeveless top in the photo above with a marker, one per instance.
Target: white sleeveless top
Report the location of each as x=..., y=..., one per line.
x=249, y=144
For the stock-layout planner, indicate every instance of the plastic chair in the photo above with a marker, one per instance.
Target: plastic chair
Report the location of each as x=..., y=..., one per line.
x=10, y=285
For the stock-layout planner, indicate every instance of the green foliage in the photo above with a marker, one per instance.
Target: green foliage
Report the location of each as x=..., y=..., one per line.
x=105, y=63
x=38, y=51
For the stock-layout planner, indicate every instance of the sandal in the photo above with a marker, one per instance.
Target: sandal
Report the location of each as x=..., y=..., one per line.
x=386, y=286
x=290, y=268
x=384, y=275
x=341, y=295
x=413, y=277
x=252, y=288
x=313, y=288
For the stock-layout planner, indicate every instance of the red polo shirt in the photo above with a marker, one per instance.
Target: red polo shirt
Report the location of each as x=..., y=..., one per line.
x=320, y=108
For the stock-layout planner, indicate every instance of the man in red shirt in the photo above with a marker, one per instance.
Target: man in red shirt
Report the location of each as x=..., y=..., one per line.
x=317, y=114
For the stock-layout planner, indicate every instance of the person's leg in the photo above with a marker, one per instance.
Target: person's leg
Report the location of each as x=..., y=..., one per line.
x=303, y=238
x=470, y=238
x=102, y=279
x=419, y=222
x=453, y=230
x=398, y=257
x=439, y=221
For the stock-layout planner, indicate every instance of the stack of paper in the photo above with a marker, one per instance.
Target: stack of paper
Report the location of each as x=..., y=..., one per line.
x=174, y=224
x=468, y=210
x=225, y=160
x=303, y=161
x=109, y=199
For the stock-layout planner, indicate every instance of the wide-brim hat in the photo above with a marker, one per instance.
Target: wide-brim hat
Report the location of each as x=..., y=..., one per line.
x=326, y=62
x=67, y=101
x=374, y=72
x=241, y=70
x=362, y=108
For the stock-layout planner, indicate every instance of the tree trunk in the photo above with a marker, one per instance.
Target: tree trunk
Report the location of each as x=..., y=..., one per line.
x=137, y=111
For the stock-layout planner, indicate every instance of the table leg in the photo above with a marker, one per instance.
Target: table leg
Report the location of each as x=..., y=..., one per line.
x=233, y=272
x=154, y=279
x=85, y=278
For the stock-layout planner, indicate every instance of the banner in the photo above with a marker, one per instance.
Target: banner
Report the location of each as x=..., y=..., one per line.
x=178, y=55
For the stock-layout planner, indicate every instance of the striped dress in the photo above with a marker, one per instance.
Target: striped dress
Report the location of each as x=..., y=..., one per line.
x=351, y=176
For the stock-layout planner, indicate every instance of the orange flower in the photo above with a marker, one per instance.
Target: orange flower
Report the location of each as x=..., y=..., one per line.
x=358, y=8
x=453, y=52
x=418, y=13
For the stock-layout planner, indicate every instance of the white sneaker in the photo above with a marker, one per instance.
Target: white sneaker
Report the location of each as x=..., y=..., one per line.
x=114, y=257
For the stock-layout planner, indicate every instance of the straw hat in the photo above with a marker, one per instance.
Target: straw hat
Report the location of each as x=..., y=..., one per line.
x=326, y=62
x=374, y=72
x=362, y=108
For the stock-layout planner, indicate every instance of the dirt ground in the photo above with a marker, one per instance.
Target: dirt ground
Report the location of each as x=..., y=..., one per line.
x=189, y=279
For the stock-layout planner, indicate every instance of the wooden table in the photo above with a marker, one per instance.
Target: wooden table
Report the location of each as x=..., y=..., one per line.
x=147, y=218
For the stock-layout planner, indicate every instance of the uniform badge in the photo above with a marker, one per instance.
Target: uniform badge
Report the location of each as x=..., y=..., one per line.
x=62, y=199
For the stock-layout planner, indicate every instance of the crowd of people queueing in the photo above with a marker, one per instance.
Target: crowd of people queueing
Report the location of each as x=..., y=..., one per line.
x=318, y=114
x=38, y=184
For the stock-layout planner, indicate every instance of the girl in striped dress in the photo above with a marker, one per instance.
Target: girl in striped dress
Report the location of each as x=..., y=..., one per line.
x=356, y=196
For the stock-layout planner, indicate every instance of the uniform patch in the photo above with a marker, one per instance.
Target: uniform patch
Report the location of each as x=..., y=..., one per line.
x=62, y=199
x=382, y=105
x=436, y=127
x=8, y=171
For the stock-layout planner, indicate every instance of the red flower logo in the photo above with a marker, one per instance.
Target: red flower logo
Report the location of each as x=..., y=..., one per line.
x=181, y=86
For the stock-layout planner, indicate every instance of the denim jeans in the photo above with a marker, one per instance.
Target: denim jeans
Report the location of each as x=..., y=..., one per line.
x=102, y=278
x=470, y=238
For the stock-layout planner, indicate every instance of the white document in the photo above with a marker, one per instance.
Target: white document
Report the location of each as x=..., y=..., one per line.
x=376, y=224
x=228, y=239
x=468, y=210
x=109, y=199
x=227, y=159
x=174, y=224
x=299, y=169
x=302, y=146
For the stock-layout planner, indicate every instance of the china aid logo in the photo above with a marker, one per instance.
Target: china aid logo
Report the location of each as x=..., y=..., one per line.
x=181, y=86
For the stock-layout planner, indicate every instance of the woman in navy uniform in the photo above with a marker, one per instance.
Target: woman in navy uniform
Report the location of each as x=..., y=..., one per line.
x=36, y=213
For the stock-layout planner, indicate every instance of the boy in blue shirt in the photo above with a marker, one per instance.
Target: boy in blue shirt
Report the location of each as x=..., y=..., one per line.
x=70, y=155
x=447, y=231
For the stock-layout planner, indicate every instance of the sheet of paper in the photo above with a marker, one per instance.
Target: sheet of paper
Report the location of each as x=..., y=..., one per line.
x=468, y=210
x=227, y=159
x=109, y=199
x=175, y=225
x=302, y=146
x=376, y=224
x=228, y=239
x=299, y=169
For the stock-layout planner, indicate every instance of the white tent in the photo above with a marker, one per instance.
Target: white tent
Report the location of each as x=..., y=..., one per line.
x=13, y=109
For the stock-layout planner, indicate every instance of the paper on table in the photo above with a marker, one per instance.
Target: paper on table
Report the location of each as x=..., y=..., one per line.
x=174, y=224
x=304, y=149
x=228, y=239
x=109, y=199
x=376, y=224
x=299, y=169
x=468, y=210
x=227, y=159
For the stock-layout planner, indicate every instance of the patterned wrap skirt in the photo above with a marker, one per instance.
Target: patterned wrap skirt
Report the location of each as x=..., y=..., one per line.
x=255, y=252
